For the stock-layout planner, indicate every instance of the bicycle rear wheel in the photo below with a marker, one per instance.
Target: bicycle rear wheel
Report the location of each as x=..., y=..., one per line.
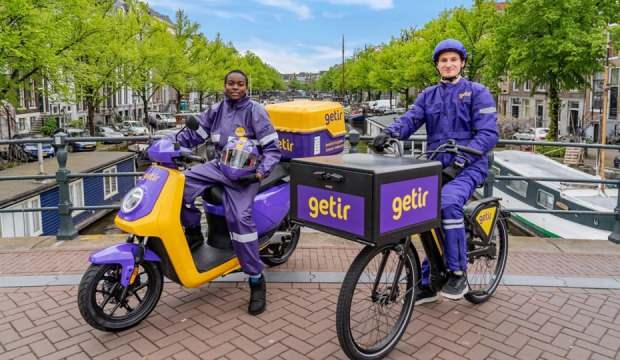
x=487, y=262
x=376, y=300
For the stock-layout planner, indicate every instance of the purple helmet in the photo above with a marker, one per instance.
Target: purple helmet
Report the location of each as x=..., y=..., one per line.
x=449, y=45
x=239, y=157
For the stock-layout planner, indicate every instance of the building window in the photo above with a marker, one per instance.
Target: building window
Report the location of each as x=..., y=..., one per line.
x=22, y=124
x=515, y=85
x=526, y=108
x=518, y=186
x=22, y=223
x=22, y=98
x=597, y=92
x=76, y=194
x=540, y=87
x=515, y=107
x=527, y=86
x=33, y=94
x=540, y=113
x=110, y=183
x=544, y=199
x=33, y=120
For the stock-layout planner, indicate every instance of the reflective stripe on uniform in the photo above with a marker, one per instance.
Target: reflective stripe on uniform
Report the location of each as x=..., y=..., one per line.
x=215, y=137
x=201, y=131
x=454, y=226
x=244, y=238
x=488, y=110
x=268, y=138
x=452, y=221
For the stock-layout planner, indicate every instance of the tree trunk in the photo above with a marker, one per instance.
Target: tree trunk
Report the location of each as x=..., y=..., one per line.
x=554, y=111
x=90, y=104
x=145, y=109
x=390, y=99
x=178, y=100
x=200, y=98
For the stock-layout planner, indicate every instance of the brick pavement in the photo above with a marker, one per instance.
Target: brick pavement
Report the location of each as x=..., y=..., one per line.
x=211, y=323
x=333, y=258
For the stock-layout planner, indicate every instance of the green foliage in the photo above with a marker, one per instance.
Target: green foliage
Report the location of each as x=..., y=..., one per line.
x=48, y=127
x=406, y=61
x=557, y=43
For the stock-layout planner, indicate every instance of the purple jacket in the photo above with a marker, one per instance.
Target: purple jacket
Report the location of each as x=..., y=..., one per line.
x=464, y=111
x=243, y=117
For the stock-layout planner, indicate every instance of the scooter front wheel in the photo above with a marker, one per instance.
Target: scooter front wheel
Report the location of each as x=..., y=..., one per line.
x=107, y=305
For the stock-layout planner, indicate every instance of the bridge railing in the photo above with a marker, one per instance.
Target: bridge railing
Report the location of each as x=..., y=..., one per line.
x=67, y=228
x=355, y=139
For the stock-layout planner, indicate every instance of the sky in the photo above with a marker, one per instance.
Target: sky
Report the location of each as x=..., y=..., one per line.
x=305, y=35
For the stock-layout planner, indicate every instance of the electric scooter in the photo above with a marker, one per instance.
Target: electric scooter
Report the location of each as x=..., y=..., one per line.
x=124, y=281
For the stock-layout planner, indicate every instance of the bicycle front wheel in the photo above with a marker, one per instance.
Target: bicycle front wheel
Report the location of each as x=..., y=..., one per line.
x=376, y=300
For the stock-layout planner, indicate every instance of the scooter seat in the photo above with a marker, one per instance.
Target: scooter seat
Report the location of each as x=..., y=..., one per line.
x=215, y=194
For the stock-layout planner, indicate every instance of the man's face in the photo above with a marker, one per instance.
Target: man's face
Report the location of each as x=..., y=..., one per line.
x=450, y=64
x=235, y=86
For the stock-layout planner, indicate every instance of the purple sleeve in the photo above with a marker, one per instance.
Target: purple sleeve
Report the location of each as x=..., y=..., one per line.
x=267, y=137
x=484, y=117
x=190, y=138
x=410, y=121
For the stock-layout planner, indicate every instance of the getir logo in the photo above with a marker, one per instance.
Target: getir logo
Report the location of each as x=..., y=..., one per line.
x=485, y=219
x=415, y=200
x=286, y=144
x=332, y=207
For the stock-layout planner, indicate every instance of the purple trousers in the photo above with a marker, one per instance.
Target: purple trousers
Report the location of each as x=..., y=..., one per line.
x=454, y=195
x=238, y=201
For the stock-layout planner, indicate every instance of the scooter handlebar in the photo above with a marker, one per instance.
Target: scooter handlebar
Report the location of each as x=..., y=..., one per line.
x=191, y=157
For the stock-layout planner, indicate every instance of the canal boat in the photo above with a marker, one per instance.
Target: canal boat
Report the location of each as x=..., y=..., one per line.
x=553, y=195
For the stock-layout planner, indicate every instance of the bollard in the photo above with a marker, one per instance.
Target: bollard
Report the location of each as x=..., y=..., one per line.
x=488, y=182
x=614, y=237
x=354, y=139
x=66, y=229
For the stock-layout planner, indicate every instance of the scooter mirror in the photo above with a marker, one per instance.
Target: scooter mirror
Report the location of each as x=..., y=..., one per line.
x=192, y=122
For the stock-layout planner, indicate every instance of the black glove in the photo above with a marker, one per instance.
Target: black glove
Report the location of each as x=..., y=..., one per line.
x=453, y=170
x=248, y=179
x=380, y=141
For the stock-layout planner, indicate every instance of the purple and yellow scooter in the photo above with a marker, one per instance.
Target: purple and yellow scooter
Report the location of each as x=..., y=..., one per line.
x=124, y=282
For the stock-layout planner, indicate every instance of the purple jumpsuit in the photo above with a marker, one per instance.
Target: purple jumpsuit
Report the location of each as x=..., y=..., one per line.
x=228, y=118
x=465, y=112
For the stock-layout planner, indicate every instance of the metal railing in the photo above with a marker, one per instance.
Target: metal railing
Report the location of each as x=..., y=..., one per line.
x=68, y=231
x=355, y=139
x=60, y=142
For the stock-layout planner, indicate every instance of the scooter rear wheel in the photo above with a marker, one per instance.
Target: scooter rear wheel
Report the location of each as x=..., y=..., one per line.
x=108, y=306
x=278, y=254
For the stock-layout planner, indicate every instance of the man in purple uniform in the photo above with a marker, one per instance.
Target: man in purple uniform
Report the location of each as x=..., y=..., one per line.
x=237, y=117
x=462, y=110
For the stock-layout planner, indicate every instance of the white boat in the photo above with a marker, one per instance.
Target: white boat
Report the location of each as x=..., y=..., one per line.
x=556, y=195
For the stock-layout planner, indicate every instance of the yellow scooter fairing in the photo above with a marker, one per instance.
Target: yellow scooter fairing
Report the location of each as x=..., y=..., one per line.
x=164, y=222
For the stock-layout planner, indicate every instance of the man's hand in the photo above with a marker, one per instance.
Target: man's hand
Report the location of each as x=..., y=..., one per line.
x=380, y=141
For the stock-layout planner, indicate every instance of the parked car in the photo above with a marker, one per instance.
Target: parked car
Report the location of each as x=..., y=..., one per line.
x=162, y=120
x=133, y=128
x=106, y=131
x=80, y=145
x=32, y=149
x=531, y=134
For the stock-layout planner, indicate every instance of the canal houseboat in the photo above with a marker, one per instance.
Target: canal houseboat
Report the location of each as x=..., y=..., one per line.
x=553, y=195
x=24, y=194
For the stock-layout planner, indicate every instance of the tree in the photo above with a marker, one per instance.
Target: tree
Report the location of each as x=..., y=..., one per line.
x=37, y=40
x=557, y=43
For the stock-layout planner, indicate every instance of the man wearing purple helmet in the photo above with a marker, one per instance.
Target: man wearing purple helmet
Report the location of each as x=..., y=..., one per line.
x=248, y=146
x=465, y=111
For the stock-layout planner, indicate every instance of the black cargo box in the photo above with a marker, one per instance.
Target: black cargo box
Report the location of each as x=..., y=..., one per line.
x=367, y=198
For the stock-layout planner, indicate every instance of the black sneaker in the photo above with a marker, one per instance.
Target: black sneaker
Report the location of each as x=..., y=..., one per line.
x=424, y=294
x=456, y=287
x=258, y=296
x=194, y=237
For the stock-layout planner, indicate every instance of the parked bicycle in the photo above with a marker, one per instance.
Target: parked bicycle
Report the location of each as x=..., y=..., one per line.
x=376, y=300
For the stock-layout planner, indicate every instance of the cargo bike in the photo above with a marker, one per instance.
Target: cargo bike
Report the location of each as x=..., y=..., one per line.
x=381, y=201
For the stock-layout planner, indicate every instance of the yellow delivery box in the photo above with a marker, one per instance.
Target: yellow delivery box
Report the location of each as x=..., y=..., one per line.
x=308, y=128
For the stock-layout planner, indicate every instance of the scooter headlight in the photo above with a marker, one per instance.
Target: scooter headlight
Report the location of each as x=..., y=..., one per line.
x=132, y=199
